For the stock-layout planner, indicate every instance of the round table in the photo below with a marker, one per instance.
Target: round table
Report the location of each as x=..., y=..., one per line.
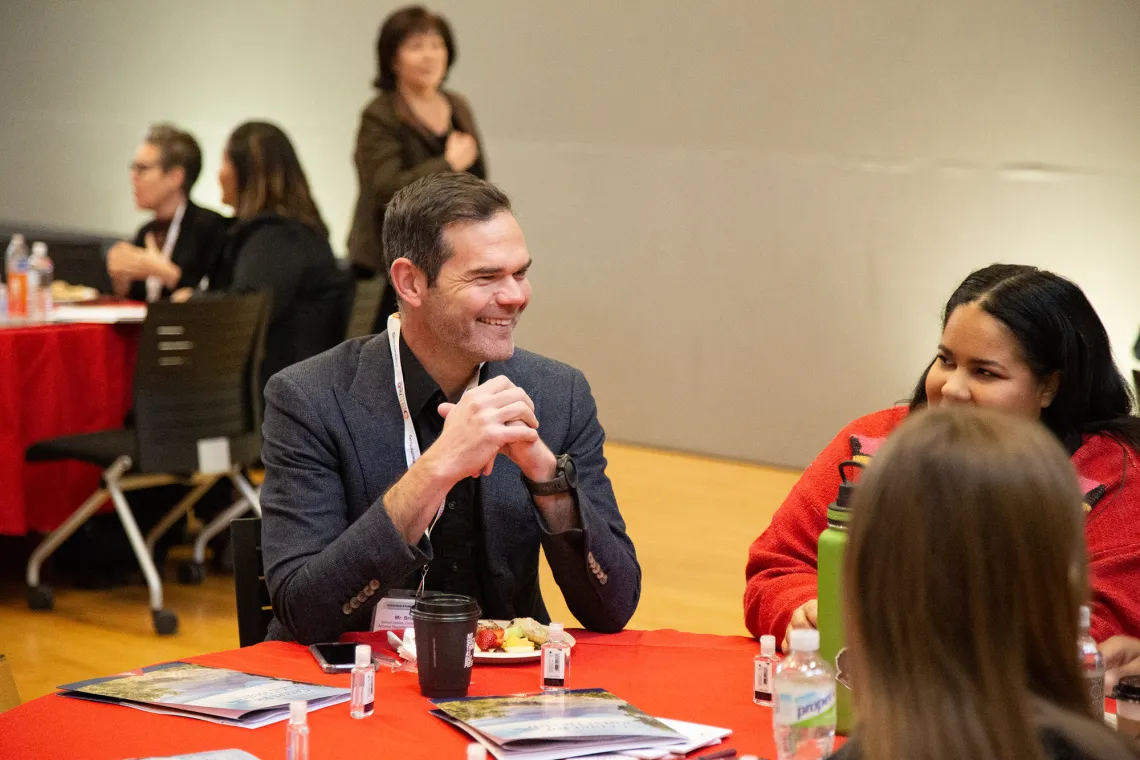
x=684, y=676
x=57, y=379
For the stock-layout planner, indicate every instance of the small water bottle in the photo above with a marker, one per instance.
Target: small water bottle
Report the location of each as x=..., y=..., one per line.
x=804, y=714
x=764, y=666
x=16, y=266
x=555, y=660
x=40, y=274
x=363, y=683
x=297, y=732
x=1093, y=664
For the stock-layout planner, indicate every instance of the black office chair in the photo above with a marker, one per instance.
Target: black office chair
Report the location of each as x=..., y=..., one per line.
x=254, y=610
x=194, y=390
x=365, y=307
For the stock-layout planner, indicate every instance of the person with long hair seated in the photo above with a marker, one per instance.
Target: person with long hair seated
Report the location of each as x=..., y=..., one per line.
x=280, y=246
x=964, y=574
x=1017, y=339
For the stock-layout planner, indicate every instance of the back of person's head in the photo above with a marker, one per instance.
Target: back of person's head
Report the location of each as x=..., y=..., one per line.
x=396, y=29
x=419, y=214
x=1058, y=331
x=269, y=177
x=176, y=149
x=964, y=574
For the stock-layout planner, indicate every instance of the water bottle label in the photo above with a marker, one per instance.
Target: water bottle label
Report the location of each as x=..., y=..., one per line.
x=762, y=678
x=805, y=706
x=552, y=666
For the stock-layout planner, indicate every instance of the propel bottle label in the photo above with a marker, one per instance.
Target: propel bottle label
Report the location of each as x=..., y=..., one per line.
x=805, y=706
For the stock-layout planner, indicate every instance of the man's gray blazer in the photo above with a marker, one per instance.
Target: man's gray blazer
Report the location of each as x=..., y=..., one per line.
x=333, y=446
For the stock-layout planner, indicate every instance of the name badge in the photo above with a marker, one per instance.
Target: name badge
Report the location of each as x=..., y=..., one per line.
x=394, y=611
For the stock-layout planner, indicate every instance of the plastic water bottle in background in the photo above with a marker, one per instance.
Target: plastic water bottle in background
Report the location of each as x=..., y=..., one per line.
x=40, y=274
x=804, y=714
x=16, y=266
x=3, y=303
x=1093, y=663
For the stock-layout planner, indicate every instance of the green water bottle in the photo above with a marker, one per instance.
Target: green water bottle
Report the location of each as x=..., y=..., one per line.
x=832, y=543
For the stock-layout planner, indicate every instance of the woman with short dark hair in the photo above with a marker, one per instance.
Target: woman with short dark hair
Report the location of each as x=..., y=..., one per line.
x=412, y=128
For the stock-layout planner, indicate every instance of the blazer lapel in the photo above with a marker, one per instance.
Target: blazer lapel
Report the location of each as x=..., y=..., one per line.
x=373, y=418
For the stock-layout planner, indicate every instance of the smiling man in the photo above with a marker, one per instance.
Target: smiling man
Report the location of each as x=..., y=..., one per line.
x=436, y=455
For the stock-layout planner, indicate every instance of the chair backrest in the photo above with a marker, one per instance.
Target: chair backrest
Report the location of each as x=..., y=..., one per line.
x=252, y=594
x=196, y=378
x=365, y=306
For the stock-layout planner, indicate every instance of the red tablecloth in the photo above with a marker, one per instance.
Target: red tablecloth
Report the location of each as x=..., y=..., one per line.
x=694, y=677
x=57, y=380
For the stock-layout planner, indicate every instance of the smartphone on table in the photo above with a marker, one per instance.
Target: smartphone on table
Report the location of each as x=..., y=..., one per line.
x=340, y=657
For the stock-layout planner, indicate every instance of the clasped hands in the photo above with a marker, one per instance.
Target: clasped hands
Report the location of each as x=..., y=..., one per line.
x=494, y=418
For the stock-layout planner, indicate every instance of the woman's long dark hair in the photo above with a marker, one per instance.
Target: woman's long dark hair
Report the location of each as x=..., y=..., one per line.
x=1057, y=330
x=270, y=177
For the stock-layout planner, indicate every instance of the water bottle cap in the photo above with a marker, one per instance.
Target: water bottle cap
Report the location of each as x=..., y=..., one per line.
x=804, y=640
x=556, y=634
x=846, y=486
x=363, y=656
x=297, y=710
x=39, y=248
x=1086, y=616
x=17, y=238
x=476, y=752
x=768, y=645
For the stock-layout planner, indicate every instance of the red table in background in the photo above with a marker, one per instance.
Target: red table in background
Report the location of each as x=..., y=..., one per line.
x=57, y=379
x=669, y=674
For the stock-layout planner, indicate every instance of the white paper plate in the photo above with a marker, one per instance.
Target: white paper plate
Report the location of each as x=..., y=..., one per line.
x=507, y=658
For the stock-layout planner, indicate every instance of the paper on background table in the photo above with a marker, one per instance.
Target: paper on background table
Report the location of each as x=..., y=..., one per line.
x=221, y=754
x=103, y=315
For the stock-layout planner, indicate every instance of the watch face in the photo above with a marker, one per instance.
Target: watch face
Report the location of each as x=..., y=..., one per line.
x=568, y=469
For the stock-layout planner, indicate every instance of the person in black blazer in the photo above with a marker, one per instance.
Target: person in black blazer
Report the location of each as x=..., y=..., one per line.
x=346, y=518
x=176, y=248
x=278, y=245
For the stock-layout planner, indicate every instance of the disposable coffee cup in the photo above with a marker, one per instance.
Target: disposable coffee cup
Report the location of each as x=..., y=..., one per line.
x=445, y=627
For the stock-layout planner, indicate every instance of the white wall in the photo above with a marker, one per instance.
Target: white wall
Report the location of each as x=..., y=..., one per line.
x=745, y=214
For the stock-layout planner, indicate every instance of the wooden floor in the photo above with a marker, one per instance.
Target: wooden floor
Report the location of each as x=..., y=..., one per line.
x=691, y=519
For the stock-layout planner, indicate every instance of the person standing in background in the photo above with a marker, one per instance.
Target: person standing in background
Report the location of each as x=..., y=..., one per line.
x=411, y=129
x=176, y=248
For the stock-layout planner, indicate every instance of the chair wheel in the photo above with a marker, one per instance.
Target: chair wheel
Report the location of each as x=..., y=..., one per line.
x=191, y=574
x=40, y=598
x=165, y=622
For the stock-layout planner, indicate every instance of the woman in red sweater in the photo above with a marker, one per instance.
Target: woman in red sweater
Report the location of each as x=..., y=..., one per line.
x=1021, y=340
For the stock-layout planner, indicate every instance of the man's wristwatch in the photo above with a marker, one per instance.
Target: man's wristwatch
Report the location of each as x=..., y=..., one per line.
x=565, y=479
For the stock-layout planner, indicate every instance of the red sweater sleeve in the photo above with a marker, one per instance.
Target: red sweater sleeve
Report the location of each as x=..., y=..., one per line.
x=781, y=567
x=1112, y=534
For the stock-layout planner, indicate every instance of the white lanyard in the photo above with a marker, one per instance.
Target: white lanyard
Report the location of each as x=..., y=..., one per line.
x=154, y=283
x=411, y=441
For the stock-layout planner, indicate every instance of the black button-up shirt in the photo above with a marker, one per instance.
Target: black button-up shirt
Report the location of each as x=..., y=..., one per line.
x=457, y=538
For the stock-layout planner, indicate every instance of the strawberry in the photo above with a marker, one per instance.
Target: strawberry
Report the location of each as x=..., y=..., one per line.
x=486, y=639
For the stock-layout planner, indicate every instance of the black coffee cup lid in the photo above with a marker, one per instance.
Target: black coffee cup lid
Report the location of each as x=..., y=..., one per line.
x=1128, y=688
x=447, y=604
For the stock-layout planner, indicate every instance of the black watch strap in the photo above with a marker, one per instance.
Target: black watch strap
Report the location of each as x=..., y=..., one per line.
x=565, y=479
